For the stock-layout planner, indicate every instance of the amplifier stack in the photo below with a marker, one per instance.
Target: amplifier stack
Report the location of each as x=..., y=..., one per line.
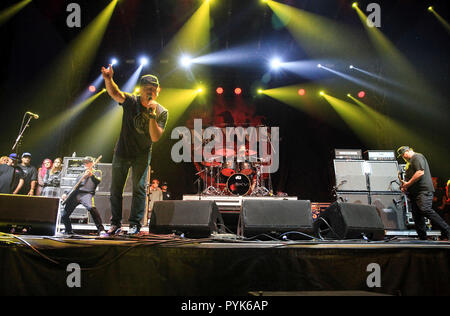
x=371, y=182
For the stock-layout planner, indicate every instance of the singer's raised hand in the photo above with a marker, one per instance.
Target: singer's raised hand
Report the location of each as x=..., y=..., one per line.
x=108, y=73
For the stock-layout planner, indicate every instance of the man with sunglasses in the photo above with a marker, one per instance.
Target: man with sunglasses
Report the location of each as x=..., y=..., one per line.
x=143, y=124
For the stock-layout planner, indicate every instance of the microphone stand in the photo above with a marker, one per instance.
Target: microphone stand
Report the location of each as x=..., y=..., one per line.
x=15, y=148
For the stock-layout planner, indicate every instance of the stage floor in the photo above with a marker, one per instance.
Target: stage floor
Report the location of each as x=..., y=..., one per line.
x=222, y=265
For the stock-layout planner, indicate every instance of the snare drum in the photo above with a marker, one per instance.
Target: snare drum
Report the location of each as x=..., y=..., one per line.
x=239, y=184
x=229, y=168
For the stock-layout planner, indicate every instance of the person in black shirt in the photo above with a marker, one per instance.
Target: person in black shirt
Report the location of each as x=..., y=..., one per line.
x=420, y=189
x=84, y=195
x=11, y=179
x=143, y=124
x=31, y=176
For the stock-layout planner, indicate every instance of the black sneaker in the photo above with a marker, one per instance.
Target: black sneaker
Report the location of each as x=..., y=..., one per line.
x=114, y=230
x=134, y=230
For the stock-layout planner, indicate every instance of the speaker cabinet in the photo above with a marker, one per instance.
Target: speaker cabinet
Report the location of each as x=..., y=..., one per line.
x=350, y=175
x=30, y=215
x=276, y=217
x=103, y=205
x=353, y=197
x=350, y=221
x=105, y=185
x=194, y=219
x=390, y=208
x=384, y=176
x=388, y=205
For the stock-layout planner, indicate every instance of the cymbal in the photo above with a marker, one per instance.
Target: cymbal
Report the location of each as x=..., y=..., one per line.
x=225, y=152
x=212, y=164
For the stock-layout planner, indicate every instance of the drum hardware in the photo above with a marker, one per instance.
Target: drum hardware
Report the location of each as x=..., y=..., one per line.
x=212, y=165
x=260, y=189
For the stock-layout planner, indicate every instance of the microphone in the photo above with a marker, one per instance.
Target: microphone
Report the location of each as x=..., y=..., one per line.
x=35, y=116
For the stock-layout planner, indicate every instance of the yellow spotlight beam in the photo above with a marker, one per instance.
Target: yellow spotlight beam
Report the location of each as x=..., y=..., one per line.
x=319, y=36
x=53, y=124
x=100, y=137
x=74, y=64
x=398, y=134
x=8, y=13
x=193, y=40
x=177, y=101
x=397, y=66
x=289, y=95
x=355, y=118
x=440, y=19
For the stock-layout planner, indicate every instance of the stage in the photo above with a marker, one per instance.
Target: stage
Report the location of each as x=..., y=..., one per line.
x=223, y=265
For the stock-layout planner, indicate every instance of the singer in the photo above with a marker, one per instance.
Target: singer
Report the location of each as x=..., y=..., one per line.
x=143, y=124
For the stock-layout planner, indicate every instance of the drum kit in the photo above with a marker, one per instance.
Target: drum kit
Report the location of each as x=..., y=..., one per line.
x=234, y=177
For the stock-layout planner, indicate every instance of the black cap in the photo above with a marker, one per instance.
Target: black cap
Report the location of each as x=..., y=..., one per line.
x=88, y=159
x=402, y=150
x=149, y=80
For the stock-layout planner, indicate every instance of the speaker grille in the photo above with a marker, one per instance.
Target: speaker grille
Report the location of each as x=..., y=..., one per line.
x=259, y=217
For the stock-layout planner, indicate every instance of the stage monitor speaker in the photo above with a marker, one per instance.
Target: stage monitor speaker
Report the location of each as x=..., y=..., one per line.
x=194, y=219
x=28, y=215
x=350, y=221
x=276, y=217
x=389, y=206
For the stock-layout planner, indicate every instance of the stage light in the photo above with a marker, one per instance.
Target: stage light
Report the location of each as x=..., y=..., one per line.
x=430, y=8
x=322, y=93
x=220, y=90
x=92, y=89
x=114, y=61
x=302, y=92
x=351, y=67
x=238, y=91
x=200, y=89
x=144, y=61
x=355, y=5
x=275, y=63
x=260, y=91
x=362, y=94
x=185, y=61
x=319, y=66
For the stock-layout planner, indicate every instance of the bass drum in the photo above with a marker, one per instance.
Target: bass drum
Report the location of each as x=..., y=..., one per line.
x=239, y=184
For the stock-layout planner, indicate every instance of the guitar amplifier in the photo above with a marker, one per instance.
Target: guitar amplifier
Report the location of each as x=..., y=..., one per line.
x=105, y=186
x=381, y=155
x=348, y=154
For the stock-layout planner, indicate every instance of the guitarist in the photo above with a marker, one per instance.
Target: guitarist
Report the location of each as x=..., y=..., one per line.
x=84, y=194
x=419, y=186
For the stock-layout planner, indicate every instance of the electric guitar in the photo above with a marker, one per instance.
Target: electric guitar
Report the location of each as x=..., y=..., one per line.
x=77, y=185
x=400, y=177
